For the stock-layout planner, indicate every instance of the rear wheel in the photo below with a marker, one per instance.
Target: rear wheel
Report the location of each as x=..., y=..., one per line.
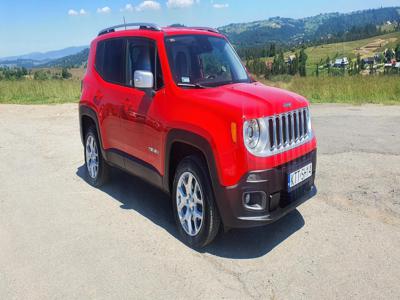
x=97, y=170
x=195, y=211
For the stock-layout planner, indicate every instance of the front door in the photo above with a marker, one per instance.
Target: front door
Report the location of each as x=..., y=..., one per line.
x=140, y=121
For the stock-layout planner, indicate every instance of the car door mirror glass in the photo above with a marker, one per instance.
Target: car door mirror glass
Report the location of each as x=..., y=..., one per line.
x=143, y=79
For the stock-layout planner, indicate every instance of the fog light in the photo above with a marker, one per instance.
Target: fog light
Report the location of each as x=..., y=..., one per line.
x=247, y=199
x=255, y=200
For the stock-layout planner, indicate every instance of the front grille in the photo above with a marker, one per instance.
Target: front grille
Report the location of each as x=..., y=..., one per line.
x=287, y=130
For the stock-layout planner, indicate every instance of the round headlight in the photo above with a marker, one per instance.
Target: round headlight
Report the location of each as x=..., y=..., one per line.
x=251, y=133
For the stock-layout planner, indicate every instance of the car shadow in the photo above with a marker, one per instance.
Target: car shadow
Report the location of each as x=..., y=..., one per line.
x=152, y=203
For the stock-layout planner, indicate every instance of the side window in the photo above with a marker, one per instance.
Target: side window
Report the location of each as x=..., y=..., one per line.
x=110, y=60
x=141, y=56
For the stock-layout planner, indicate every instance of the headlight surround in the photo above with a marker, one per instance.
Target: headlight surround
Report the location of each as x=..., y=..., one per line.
x=251, y=133
x=255, y=135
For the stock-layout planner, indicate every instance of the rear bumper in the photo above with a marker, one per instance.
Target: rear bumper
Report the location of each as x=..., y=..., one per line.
x=273, y=183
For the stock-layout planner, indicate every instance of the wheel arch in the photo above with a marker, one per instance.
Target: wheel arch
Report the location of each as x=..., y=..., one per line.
x=188, y=143
x=87, y=117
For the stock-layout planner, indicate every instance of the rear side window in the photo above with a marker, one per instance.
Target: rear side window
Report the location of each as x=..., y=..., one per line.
x=110, y=60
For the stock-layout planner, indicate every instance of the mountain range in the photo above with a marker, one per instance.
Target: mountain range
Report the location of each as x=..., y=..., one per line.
x=39, y=59
x=320, y=27
x=323, y=28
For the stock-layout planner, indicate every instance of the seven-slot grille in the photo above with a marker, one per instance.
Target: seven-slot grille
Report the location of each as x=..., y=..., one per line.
x=287, y=130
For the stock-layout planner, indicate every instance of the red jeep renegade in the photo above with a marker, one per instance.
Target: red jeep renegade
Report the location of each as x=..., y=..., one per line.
x=176, y=107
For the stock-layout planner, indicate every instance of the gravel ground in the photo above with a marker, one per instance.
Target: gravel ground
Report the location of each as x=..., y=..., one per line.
x=62, y=239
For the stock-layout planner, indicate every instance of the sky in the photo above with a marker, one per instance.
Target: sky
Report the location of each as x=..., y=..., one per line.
x=42, y=25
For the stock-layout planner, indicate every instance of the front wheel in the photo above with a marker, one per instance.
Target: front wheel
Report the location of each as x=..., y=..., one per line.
x=195, y=211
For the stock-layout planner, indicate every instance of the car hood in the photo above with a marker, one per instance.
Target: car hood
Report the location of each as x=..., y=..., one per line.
x=254, y=99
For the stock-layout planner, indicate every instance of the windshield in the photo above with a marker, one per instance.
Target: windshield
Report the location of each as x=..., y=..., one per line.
x=203, y=60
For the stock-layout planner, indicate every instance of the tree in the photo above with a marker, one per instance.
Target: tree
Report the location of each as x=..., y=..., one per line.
x=389, y=55
x=65, y=74
x=328, y=61
x=272, y=50
x=359, y=63
x=302, y=63
x=397, y=52
x=41, y=75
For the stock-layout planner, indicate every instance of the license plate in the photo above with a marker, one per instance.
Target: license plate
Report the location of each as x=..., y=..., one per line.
x=299, y=176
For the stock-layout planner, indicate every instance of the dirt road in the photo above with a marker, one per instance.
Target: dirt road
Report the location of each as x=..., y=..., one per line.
x=61, y=238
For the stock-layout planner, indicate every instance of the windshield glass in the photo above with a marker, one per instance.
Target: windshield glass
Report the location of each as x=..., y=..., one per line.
x=204, y=60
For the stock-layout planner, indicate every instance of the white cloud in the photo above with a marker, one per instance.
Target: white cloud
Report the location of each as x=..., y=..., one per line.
x=148, y=5
x=104, y=10
x=72, y=12
x=181, y=3
x=220, y=6
x=128, y=8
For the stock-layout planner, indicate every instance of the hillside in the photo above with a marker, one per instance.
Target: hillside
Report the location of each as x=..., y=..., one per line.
x=366, y=48
x=72, y=61
x=325, y=27
x=44, y=56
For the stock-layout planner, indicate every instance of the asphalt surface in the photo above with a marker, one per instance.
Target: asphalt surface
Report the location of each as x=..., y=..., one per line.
x=62, y=239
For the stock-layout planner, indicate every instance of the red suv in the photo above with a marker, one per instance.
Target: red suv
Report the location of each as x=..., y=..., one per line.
x=176, y=107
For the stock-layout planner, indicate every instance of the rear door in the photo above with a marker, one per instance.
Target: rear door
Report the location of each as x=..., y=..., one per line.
x=110, y=93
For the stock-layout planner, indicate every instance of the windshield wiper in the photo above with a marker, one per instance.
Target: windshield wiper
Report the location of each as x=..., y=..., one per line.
x=192, y=85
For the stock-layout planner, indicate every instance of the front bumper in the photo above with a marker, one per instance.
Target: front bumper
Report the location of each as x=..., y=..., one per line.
x=279, y=199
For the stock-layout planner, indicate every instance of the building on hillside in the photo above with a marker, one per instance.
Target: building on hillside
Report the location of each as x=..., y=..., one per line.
x=341, y=62
x=290, y=59
x=269, y=64
x=369, y=60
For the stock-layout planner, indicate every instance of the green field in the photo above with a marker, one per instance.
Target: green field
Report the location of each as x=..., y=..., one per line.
x=348, y=89
x=39, y=92
x=366, y=48
x=355, y=89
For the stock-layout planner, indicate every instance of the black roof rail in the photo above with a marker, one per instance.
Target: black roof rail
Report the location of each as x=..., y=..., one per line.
x=204, y=28
x=148, y=26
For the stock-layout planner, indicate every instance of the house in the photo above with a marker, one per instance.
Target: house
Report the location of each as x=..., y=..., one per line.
x=290, y=59
x=368, y=60
x=341, y=62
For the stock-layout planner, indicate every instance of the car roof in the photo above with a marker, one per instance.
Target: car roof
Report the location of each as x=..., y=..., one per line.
x=150, y=29
x=190, y=30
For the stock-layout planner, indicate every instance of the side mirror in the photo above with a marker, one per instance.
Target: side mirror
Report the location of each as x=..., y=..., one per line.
x=143, y=80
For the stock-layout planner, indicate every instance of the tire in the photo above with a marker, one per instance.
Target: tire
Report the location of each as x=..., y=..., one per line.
x=97, y=173
x=193, y=197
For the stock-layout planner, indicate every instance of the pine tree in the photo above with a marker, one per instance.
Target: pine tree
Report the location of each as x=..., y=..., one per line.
x=302, y=63
x=397, y=53
x=272, y=50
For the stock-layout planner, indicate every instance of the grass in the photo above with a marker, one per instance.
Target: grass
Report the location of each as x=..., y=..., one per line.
x=353, y=90
x=39, y=92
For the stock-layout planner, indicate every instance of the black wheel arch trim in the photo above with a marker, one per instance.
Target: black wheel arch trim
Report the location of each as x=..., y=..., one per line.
x=87, y=111
x=198, y=142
